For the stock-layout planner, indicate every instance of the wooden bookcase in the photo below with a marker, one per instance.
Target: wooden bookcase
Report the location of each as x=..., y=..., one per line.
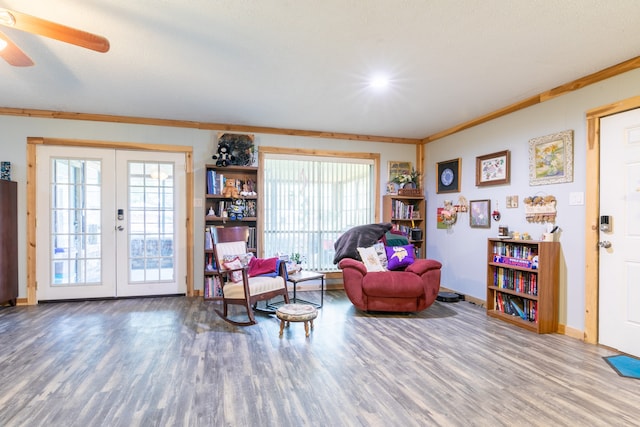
x=407, y=213
x=216, y=214
x=522, y=283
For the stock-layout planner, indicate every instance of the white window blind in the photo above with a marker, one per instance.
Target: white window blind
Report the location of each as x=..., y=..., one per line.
x=310, y=201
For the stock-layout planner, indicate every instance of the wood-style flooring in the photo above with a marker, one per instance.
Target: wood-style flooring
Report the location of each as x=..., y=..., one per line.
x=172, y=362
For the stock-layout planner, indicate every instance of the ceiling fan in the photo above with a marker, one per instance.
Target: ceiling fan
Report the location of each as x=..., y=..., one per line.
x=11, y=53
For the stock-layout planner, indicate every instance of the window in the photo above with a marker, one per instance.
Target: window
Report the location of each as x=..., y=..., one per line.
x=310, y=201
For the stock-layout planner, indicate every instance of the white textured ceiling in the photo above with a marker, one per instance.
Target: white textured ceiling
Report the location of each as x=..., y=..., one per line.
x=303, y=64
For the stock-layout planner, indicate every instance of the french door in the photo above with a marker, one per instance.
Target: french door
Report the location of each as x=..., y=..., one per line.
x=110, y=223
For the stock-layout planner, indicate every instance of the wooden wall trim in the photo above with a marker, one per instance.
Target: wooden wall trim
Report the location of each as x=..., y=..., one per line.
x=592, y=211
x=33, y=142
x=48, y=114
x=596, y=77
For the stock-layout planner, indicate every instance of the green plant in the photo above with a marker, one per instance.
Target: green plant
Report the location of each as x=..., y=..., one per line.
x=297, y=257
x=410, y=177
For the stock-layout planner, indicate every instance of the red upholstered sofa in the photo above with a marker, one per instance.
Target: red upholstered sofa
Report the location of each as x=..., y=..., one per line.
x=411, y=290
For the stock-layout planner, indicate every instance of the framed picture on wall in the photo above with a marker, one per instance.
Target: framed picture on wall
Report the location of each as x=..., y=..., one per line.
x=480, y=213
x=448, y=179
x=551, y=158
x=493, y=169
x=397, y=168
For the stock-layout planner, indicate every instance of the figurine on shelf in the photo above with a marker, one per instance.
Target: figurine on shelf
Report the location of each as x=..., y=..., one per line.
x=230, y=189
x=236, y=210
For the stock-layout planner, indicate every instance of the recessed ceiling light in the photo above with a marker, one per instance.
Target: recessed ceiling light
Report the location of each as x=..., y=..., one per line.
x=379, y=82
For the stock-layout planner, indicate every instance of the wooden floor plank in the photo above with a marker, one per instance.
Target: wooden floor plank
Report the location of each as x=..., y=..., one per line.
x=172, y=362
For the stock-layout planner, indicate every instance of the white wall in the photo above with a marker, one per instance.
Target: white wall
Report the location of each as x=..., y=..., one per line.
x=15, y=131
x=463, y=249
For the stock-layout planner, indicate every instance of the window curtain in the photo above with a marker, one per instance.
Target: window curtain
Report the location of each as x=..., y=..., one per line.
x=310, y=201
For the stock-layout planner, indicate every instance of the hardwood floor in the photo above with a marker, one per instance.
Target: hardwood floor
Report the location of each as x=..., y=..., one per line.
x=172, y=362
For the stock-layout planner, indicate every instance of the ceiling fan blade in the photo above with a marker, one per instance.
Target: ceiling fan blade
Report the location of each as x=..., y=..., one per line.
x=13, y=54
x=31, y=24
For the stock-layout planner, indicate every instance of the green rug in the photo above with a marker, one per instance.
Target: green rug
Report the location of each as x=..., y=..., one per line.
x=625, y=366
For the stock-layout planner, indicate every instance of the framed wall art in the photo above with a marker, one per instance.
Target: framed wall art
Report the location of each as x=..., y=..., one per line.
x=551, y=158
x=448, y=178
x=480, y=213
x=397, y=168
x=493, y=169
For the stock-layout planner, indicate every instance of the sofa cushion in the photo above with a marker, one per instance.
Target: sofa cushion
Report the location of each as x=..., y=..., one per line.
x=361, y=236
x=392, y=284
x=400, y=257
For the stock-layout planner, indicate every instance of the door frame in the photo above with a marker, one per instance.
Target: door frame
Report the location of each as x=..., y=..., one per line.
x=34, y=142
x=592, y=211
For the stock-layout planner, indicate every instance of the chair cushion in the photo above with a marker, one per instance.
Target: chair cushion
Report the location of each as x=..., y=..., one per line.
x=400, y=257
x=235, y=276
x=370, y=259
x=257, y=285
x=258, y=266
x=393, y=284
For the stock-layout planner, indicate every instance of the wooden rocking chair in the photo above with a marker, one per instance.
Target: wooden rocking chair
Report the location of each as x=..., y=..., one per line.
x=229, y=242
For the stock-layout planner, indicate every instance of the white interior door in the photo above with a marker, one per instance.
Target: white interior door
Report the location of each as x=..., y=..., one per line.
x=84, y=249
x=619, y=289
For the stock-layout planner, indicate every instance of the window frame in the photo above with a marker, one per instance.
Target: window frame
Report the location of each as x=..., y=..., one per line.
x=263, y=151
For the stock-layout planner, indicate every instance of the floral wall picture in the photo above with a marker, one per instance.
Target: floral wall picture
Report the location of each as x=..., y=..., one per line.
x=551, y=158
x=493, y=169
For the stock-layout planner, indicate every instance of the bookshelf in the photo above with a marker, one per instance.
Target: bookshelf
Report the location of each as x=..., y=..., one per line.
x=217, y=214
x=8, y=242
x=407, y=213
x=522, y=283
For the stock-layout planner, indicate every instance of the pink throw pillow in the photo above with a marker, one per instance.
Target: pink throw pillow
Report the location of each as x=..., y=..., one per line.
x=258, y=266
x=236, y=276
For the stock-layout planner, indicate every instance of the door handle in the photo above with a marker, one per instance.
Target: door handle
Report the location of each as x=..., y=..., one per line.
x=604, y=244
x=119, y=228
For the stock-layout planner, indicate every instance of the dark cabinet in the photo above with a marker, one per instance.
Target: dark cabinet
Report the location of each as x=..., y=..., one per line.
x=8, y=242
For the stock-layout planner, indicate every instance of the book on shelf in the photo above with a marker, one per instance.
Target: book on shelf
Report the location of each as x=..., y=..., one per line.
x=212, y=287
x=208, y=239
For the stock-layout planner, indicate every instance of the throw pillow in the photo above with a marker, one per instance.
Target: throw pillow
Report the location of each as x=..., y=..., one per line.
x=370, y=259
x=382, y=254
x=245, y=259
x=260, y=266
x=236, y=276
x=400, y=257
x=395, y=238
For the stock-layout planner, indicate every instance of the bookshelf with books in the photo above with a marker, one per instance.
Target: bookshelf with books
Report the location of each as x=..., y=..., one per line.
x=225, y=207
x=522, y=283
x=407, y=214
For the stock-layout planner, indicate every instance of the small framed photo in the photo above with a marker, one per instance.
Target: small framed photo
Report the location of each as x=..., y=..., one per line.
x=551, y=158
x=448, y=179
x=493, y=169
x=480, y=213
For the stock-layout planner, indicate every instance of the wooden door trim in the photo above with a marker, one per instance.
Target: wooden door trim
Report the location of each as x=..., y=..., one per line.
x=32, y=144
x=592, y=211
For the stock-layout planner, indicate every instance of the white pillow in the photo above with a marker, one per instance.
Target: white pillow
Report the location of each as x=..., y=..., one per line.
x=370, y=259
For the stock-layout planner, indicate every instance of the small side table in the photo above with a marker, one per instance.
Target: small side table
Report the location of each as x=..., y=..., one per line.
x=303, y=276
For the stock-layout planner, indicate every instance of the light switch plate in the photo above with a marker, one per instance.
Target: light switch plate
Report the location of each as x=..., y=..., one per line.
x=576, y=198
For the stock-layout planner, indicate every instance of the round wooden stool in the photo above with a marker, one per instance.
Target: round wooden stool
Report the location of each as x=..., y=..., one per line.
x=297, y=313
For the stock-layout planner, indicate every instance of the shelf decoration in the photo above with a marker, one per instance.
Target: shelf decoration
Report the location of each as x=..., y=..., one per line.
x=234, y=149
x=540, y=208
x=447, y=215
